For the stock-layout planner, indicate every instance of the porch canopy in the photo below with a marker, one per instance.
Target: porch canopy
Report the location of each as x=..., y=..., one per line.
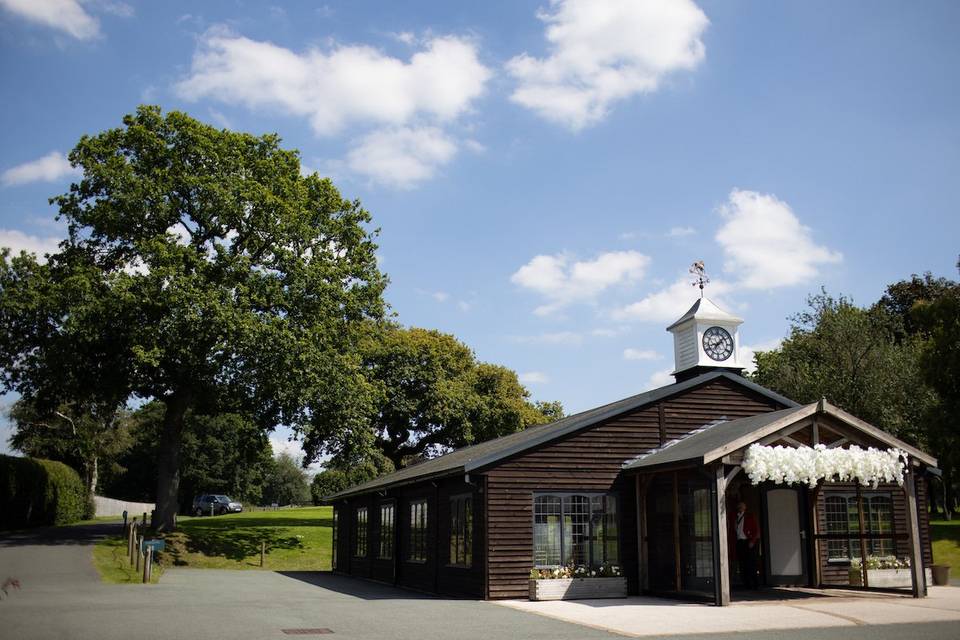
x=718, y=450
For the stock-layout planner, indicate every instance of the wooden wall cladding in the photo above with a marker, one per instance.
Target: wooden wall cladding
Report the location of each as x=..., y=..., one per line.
x=591, y=460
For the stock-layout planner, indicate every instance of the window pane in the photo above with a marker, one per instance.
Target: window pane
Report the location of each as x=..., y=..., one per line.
x=837, y=522
x=611, y=532
x=576, y=530
x=546, y=531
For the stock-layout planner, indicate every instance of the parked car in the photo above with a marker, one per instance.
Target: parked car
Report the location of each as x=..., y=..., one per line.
x=220, y=505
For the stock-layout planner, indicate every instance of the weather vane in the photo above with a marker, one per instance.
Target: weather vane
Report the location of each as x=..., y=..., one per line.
x=700, y=276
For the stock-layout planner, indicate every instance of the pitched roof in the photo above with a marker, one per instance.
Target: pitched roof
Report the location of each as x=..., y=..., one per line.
x=711, y=442
x=695, y=445
x=705, y=309
x=481, y=455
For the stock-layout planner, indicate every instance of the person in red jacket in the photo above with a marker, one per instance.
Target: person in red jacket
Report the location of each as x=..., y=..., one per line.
x=747, y=533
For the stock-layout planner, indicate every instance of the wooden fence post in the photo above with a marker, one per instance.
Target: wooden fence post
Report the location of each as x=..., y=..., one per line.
x=263, y=547
x=147, y=562
x=139, y=543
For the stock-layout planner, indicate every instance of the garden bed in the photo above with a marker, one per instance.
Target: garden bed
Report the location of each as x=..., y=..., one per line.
x=578, y=588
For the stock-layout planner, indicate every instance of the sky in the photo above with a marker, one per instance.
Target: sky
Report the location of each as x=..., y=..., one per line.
x=544, y=172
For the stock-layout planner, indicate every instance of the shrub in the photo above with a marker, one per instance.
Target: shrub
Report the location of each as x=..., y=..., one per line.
x=40, y=492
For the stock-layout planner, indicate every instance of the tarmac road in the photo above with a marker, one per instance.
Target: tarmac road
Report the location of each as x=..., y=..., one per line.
x=62, y=598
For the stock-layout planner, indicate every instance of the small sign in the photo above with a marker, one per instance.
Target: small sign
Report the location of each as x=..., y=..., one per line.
x=156, y=545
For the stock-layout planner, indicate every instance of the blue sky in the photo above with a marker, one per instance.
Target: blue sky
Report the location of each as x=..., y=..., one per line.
x=544, y=173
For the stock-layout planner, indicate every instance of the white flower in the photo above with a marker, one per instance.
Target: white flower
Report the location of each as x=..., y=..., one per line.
x=809, y=465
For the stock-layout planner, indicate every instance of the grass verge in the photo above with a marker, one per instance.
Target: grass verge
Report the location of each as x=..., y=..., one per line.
x=295, y=540
x=945, y=535
x=111, y=560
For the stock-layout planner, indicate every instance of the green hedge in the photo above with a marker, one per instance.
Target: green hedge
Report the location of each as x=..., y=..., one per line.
x=40, y=492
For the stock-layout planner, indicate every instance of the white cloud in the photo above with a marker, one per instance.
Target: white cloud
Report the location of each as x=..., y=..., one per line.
x=67, y=16
x=677, y=232
x=607, y=332
x=765, y=245
x=534, y=377
x=347, y=84
x=18, y=241
x=640, y=354
x=401, y=157
x=748, y=351
x=569, y=338
x=660, y=379
x=563, y=281
x=602, y=51
x=668, y=304
x=49, y=168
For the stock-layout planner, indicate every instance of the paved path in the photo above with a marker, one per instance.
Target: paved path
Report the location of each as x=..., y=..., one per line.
x=62, y=598
x=642, y=617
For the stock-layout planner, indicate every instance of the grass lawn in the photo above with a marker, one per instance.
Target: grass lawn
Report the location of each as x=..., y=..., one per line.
x=296, y=539
x=946, y=543
x=110, y=559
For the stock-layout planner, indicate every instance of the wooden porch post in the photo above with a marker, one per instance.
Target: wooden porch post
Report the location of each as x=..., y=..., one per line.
x=721, y=558
x=642, y=549
x=913, y=535
x=676, y=532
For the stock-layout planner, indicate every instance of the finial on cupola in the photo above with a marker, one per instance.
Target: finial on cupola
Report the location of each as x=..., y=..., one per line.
x=700, y=277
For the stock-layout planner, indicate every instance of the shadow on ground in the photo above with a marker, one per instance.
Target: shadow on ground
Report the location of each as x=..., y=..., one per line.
x=356, y=587
x=237, y=544
x=79, y=534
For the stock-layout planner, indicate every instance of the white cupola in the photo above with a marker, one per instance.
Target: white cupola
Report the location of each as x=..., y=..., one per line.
x=705, y=338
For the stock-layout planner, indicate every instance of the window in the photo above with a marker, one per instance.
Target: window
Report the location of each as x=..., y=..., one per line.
x=386, y=531
x=461, y=531
x=361, y=528
x=333, y=558
x=418, y=532
x=843, y=517
x=579, y=529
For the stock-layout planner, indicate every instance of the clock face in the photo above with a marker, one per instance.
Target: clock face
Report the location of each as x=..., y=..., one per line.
x=717, y=343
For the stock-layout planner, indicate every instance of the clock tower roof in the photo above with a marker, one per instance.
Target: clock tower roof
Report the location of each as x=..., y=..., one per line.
x=705, y=310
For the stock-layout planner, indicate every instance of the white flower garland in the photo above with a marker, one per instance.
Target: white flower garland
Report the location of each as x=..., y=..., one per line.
x=787, y=465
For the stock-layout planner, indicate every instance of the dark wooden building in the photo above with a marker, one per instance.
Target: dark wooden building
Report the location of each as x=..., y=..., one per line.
x=645, y=484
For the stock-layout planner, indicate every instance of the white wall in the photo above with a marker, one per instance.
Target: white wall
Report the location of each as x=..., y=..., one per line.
x=111, y=507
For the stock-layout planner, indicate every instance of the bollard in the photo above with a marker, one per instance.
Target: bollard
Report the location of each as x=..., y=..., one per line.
x=139, y=552
x=211, y=509
x=133, y=539
x=148, y=561
x=263, y=546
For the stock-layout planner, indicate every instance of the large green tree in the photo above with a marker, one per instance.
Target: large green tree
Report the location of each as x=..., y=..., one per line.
x=218, y=277
x=427, y=393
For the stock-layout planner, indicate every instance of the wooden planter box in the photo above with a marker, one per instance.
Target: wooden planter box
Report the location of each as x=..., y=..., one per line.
x=886, y=578
x=578, y=588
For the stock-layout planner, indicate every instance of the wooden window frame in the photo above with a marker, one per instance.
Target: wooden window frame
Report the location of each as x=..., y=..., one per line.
x=417, y=544
x=853, y=539
x=590, y=536
x=361, y=528
x=385, y=546
x=335, y=535
x=461, y=531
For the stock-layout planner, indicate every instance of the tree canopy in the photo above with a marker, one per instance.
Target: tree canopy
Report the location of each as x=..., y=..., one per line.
x=201, y=270
x=426, y=394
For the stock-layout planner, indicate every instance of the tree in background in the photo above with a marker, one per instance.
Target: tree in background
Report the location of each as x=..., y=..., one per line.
x=203, y=271
x=851, y=356
x=337, y=478
x=82, y=440
x=285, y=482
x=225, y=453
x=937, y=318
x=426, y=394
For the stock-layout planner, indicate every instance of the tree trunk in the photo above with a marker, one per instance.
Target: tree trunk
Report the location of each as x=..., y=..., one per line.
x=168, y=461
x=92, y=477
